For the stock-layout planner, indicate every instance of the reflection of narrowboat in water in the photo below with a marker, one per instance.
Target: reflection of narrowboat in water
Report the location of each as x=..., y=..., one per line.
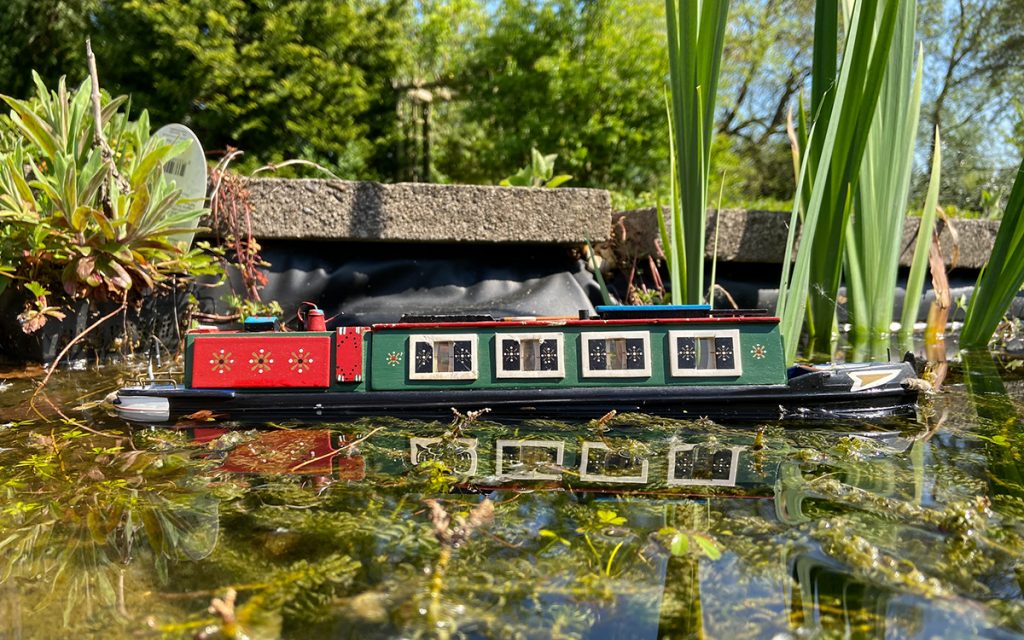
x=685, y=362
x=610, y=464
x=687, y=464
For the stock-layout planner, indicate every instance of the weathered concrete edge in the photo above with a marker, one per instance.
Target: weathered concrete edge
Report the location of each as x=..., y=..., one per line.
x=760, y=237
x=310, y=209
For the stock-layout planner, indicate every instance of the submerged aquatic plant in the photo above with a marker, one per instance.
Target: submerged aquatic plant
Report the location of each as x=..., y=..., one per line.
x=85, y=512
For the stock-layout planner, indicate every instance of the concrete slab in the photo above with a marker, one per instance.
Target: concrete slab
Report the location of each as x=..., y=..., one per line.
x=760, y=237
x=414, y=212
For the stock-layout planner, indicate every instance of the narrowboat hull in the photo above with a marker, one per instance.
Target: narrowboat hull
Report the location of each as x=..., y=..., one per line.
x=808, y=397
x=680, y=362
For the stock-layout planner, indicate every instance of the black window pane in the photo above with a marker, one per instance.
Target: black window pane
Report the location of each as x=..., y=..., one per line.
x=424, y=357
x=686, y=353
x=549, y=355
x=721, y=465
x=510, y=356
x=598, y=355
x=685, y=462
x=635, y=356
x=463, y=355
x=725, y=356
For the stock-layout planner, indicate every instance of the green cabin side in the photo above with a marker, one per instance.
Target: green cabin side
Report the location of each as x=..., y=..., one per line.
x=756, y=349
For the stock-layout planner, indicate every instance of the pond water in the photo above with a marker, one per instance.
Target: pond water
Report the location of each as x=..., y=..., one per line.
x=633, y=527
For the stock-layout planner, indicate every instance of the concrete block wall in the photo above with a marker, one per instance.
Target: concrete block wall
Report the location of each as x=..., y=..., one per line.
x=312, y=209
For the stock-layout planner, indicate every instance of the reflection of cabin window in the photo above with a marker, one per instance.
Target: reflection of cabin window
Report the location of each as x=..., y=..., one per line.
x=601, y=463
x=445, y=357
x=529, y=459
x=704, y=353
x=530, y=356
x=616, y=354
x=700, y=465
x=459, y=454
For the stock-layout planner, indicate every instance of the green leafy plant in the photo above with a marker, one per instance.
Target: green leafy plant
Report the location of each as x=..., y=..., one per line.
x=85, y=222
x=696, y=37
x=37, y=311
x=603, y=548
x=539, y=173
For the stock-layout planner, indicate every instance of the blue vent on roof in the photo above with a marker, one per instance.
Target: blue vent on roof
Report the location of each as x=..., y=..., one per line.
x=652, y=307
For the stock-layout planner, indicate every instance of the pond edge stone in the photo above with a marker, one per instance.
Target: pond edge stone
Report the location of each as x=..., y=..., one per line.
x=315, y=209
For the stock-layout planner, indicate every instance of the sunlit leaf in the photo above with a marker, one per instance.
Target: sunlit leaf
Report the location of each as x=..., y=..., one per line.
x=680, y=545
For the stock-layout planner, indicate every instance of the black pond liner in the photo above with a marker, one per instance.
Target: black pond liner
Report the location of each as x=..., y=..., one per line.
x=366, y=283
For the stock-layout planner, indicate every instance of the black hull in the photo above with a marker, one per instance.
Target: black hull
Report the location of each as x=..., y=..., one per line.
x=720, y=403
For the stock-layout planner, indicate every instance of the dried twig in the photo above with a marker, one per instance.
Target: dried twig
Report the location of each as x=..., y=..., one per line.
x=334, y=452
x=74, y=341
x=306, y=163
x=98, y=139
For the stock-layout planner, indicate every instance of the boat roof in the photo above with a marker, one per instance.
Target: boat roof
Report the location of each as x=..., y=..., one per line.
x=629, y=316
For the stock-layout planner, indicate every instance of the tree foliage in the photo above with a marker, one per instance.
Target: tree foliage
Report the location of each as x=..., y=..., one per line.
x=47, y=36
x=276, y=78
x=462, y=90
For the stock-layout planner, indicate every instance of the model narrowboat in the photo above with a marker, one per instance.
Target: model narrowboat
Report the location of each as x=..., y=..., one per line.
x=677, y=361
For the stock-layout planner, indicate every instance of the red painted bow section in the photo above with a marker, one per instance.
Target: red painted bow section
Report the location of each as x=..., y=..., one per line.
x=256, y=361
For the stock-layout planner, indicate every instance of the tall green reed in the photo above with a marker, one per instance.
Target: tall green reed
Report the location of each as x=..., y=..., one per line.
x=875, y=231
x=696, y=36
x=842, y=124
x=915, y=280
x=1002, y=276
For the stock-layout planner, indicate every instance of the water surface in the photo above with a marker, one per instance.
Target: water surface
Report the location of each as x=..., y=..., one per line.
x=636, y=527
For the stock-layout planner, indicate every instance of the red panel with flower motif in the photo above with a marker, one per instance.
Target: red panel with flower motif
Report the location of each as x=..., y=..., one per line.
x=256, y=360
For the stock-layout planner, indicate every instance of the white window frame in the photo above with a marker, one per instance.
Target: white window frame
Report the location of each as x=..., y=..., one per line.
x=673, y=361
x=734, y=464
x=499, y=461
x=499, y=365
x=587, y=337
x=433, y=339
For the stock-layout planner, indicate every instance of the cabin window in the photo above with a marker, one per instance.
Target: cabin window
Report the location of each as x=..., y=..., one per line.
x=443, y=357
x=616, y=354
x=704, y=353
x=536, y=355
